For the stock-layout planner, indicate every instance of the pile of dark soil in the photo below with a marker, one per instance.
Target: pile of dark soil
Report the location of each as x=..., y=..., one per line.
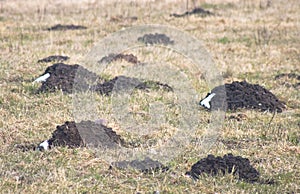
x=62, y=78
x=130, y=58
x=91, y=134
x=156, y=39
x=197, y=11
x=125, y=83
x=54, y=58
x=60, y=27
x=246, y=95
x=214, y=166
x=146, y=166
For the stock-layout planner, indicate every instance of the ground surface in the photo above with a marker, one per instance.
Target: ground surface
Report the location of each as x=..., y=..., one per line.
x=257, y=41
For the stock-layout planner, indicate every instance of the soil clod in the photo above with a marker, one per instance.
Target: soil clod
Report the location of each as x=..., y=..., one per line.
x=197, y=11
x=156, y=39
x=54, y=58
x=60, y=27
x=230, y=164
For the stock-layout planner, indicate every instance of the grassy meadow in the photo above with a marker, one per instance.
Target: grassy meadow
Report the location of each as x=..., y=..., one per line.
x=252, y=40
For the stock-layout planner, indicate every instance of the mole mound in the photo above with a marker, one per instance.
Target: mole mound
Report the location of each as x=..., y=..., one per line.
x=60, y=27
x=54, y=58
x=91, y=134
x=236, y=165
x=130, y=58
x=197, y=11
x=156, y=39
x=146, y=166
x=62, y=78
x=244, y=95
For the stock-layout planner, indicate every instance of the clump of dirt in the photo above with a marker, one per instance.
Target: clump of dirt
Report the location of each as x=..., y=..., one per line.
x=60, y=27
x=130, y=58
x=123, y=83
x=156, y=39
x=54, y=58
x=85, y=133
x=197, y=11
x=246, y=95
x=62, y=78
x=146, y=166
x=214, y=166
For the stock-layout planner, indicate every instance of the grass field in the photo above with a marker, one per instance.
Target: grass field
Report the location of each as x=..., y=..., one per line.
x=248, y=40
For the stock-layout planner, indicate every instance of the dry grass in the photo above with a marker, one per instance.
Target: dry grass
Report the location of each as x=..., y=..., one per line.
x=250, y=40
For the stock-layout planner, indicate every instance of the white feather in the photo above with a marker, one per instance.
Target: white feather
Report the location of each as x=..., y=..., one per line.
x=43, y=78
x=44, y=144
x=206, y=101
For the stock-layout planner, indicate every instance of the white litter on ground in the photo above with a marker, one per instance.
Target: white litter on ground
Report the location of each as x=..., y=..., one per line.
x=44, y=145
x=43, y=78
x=206, y=101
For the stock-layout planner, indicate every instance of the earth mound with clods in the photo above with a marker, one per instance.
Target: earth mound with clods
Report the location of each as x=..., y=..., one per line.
x=85, y=133
x=227, y=164
x=244, y=95
x=62, y=77
x=71, y=78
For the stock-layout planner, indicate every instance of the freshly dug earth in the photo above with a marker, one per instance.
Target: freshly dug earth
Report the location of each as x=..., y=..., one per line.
x=62, y=78
x=246, y=95
x=146, y=166
x=91, y=134
x=197, y=11
x=130, y=58
x=156, y=39
x=60, y=27
x=54, y=58
x=214, y=166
